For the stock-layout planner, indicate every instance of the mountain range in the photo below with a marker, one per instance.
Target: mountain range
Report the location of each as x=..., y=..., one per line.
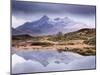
x=48, y=26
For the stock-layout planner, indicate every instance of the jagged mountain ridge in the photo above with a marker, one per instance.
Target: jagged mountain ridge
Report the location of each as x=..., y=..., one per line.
x=45, y=26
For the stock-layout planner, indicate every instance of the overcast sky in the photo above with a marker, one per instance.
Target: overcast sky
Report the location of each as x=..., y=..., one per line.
x=30, y=11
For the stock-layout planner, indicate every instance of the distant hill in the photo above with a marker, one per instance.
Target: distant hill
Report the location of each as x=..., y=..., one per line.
x=16, y=32
x=21, y=37
x=84, y=34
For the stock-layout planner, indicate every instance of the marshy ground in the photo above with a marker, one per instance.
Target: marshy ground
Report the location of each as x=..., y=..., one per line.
x=82, y=41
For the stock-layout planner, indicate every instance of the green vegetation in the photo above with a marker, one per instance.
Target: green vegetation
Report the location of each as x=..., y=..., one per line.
x=82, y=34
x=91, y=41
x=21, y=37
x=41, y=43
x=80, y=38
x=58, y=37
x=84, y=52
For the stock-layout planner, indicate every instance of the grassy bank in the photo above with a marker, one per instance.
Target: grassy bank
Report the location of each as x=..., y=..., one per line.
x=79, y=41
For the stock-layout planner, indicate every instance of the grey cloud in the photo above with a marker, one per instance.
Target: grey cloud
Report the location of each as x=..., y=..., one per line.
x=51, y=8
